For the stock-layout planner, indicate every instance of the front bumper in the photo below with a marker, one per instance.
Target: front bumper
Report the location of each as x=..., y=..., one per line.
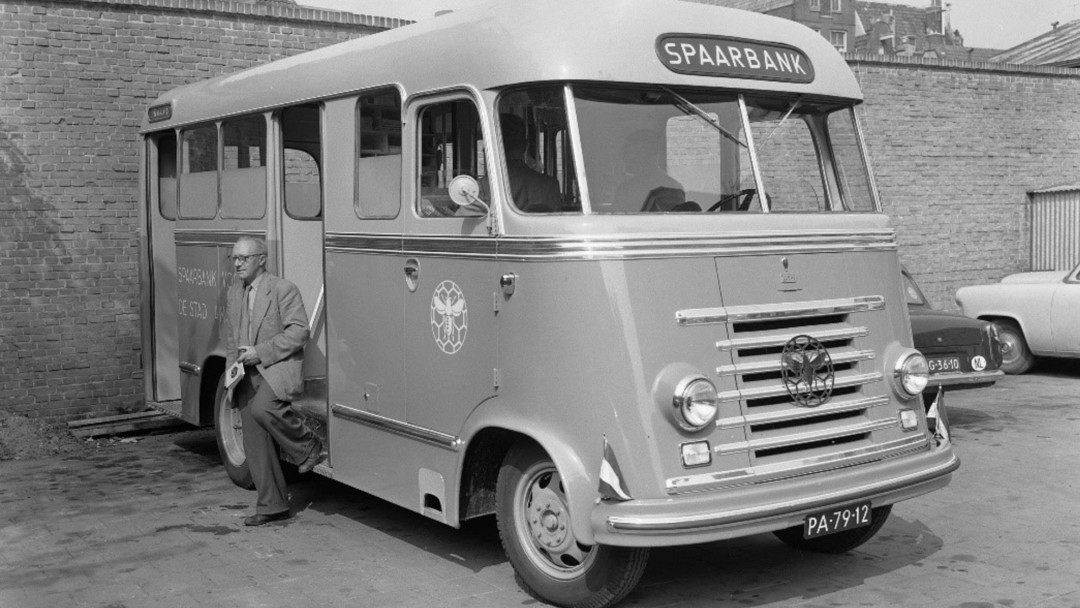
x=964, y=380
x=745, y=510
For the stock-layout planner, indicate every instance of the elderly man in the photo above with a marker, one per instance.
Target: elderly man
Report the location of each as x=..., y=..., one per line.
x=265, y=329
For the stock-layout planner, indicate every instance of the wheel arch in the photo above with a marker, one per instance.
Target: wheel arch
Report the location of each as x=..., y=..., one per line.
x=213, y=367
x=488, y=443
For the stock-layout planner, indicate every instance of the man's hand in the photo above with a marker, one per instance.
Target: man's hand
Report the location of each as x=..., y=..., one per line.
x=248, y=356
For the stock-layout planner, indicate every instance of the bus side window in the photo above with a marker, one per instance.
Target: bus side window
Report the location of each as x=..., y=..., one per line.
x=166, y=154
x=198, y=177
x=243, y=175
x=451, y=144
x=301, y=149
x=378, y=163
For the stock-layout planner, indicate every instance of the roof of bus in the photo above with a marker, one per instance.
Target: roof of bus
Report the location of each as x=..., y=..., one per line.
x=512, y=42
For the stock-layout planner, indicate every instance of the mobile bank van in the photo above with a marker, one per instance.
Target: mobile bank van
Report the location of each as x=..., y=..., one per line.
x=614, y=272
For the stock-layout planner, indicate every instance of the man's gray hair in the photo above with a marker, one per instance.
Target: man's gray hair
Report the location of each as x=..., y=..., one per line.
x=260, y=244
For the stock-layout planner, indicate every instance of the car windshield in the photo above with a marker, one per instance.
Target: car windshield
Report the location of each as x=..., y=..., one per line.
x=912, y=292
x=658, y=150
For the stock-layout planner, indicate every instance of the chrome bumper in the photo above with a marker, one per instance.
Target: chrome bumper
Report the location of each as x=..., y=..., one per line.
x=964, y=378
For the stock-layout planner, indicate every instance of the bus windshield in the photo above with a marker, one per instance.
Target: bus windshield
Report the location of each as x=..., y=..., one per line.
x=659, y=150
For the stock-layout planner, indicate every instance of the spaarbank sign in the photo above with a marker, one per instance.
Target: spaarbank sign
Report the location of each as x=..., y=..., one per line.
x=733, y=58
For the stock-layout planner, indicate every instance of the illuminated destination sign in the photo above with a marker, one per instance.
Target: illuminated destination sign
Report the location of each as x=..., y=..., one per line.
x=159, y=113
x=733, y=58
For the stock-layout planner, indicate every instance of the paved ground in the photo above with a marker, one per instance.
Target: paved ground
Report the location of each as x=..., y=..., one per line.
x=157, y=524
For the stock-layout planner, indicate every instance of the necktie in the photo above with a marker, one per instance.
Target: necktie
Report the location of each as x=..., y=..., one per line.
x=245, y=317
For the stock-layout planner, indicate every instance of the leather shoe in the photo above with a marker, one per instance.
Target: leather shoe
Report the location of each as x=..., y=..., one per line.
x=261, y=520
x=314, y=457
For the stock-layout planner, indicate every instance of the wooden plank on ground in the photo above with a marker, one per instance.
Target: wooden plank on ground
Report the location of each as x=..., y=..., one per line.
x=126, y=423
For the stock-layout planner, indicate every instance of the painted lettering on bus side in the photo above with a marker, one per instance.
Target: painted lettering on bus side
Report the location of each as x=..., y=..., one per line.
x=194, y=309
x=716, y=56
x=197, y=276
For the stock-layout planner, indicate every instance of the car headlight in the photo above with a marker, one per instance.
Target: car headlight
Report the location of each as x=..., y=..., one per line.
x=695, y=402
x=911, y=374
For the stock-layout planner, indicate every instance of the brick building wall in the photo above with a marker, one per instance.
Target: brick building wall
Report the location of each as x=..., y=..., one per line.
x=956, y=147
x=75, y=80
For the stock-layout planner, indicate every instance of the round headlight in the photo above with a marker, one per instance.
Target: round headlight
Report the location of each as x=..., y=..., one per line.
x=912, y=374
x=696, y=403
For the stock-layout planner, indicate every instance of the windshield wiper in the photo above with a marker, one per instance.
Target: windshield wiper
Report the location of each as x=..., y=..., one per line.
x=690, y=109
x=782, y=121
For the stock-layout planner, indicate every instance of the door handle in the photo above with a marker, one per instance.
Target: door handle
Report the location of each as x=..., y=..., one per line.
x=412, y=273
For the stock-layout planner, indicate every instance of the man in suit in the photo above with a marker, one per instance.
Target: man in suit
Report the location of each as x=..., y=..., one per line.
x=265, y=329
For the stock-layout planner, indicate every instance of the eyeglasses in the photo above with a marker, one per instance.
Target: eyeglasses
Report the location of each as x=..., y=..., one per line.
x=243, y=259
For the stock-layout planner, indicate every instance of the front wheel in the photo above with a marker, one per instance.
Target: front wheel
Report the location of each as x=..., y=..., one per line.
x=841, y=542
x=534, y=524
x=230, y=438
x=1016, y=357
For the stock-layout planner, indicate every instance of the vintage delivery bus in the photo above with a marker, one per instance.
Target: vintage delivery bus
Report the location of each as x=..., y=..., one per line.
x=614, y=272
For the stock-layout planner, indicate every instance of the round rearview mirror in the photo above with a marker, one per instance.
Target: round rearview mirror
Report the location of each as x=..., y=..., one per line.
x=464, y=190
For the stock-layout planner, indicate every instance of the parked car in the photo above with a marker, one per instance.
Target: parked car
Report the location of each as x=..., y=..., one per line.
x=962, y=352
x=1036, y=313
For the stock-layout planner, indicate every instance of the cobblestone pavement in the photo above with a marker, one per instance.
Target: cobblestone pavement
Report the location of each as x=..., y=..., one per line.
x=158, y=524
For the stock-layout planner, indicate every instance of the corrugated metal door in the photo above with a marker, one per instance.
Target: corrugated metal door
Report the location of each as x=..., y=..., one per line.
x=1055, y=229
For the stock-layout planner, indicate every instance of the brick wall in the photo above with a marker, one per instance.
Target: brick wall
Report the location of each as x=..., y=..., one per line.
x=75, y=79
x=956, y=147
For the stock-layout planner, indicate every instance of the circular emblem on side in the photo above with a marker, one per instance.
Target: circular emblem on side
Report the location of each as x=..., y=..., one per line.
x=449, y=317
x=978, y=363
x=807, y=370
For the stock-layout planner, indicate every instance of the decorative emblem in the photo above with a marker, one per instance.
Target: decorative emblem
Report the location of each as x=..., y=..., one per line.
x=449, y=317
x=807, y=370
x=788, y=280
x=978, y=363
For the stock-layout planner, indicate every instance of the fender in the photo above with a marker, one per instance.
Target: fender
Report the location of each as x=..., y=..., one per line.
x=580, y=485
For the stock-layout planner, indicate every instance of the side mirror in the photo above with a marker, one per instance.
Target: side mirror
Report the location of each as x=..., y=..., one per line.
x=464, y=191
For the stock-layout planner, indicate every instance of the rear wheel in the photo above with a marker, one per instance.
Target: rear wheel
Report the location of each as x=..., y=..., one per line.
x=1016, y=357
x=230, y=438
x=534, y=525
x=841, y=542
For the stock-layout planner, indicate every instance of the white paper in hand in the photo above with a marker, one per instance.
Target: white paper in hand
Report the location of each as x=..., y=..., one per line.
x=234, y=374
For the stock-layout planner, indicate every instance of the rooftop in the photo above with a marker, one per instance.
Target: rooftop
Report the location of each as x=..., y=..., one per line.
x=1059, y=47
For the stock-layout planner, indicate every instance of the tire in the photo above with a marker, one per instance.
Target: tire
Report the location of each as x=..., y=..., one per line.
x=1016, y=357
x=534, y=525
x=230, y=438
x=841, y=542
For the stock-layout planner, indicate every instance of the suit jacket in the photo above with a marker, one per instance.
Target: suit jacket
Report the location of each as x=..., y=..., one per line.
x=279, y=326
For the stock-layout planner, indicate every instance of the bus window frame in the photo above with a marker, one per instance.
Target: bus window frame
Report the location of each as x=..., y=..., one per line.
x=277, y=120
x=414, y=107
x=403, y=105
x=216, y=124
x=265, y=165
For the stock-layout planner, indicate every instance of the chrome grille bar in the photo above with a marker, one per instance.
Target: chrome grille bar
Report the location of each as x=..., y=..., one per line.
x=774, y=366
x=804, y=437
x=848, y=333
x=769, y=312
x=779, y=390
x=832, y=407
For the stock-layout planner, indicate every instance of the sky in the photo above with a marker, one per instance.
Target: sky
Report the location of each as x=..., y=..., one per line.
x=995, y=24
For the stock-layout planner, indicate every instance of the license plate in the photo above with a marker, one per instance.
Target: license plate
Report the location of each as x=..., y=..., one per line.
x=944, y=365
x=836, y=520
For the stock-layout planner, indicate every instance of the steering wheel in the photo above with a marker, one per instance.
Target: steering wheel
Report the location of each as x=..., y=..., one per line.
x=743, y=206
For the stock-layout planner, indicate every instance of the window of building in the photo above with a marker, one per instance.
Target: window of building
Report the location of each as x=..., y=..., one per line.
x=839, y=40
x=378, y=165
x=836, y=6
x=815, y=5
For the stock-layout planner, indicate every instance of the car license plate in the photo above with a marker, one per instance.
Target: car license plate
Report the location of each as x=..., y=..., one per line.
x=836, y=520
x=943, y=365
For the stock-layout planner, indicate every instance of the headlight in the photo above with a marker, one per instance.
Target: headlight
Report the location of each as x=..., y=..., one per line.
x=911, y=374
x=695, y=403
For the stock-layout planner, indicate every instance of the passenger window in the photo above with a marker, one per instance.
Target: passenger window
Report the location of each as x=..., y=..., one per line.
x=243, y=177
x=301, y=143
x=539, y=160
x=451, y=144
x=198, y=178
x=378, y=164
x=166, y=174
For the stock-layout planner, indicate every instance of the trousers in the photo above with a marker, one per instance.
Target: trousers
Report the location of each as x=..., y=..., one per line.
x=270, y=425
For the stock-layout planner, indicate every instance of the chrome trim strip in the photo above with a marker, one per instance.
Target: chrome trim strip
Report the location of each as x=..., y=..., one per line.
x=699, y=522
x=774, y=366
x=397, y=427
x=769, y=312
x=833, y=407
x=613, y=246
x=964, y=378
x=753, y=445
x=779, y=390
x=190, y=368
x=212, y=236
x=849, y=333
x=785, y=470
